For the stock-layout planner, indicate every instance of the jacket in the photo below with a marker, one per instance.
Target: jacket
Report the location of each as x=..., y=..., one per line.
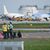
x=4, y=28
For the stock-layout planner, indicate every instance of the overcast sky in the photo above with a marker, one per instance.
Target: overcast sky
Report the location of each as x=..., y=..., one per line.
x=13, y=5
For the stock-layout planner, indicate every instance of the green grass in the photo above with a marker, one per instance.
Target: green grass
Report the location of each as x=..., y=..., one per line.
x=37, y=45
x=33, y=25
x=27, y=25
x=33, y=44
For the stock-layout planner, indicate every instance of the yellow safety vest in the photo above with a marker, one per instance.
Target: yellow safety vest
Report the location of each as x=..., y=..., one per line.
x=4, y=28
x=8, y=27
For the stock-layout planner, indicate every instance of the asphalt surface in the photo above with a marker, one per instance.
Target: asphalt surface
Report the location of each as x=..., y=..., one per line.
x=36, y=35
x=38, y=29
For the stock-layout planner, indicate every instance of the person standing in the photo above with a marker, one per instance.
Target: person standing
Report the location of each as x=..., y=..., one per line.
x=11, y=30
x=4, y=29
x=8, y=30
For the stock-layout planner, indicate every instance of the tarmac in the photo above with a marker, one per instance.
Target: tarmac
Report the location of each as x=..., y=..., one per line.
x=38, y=29
x=36, y=35
x=45, y=33
x=39, y=33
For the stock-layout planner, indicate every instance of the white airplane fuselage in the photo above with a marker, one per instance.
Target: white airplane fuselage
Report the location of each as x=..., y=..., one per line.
x=13, y=14
x=10, y=15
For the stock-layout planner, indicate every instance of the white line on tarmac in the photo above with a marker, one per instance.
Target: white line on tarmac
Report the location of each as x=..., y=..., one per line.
x=32, y=29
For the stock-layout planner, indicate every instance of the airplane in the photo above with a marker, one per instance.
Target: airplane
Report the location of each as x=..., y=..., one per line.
x=11, y=15
x=38, y=15
x=41, y=16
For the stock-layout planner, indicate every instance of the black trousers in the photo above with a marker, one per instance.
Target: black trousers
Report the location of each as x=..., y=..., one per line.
x=19, y=34
x=6, y=35
x=11, y=33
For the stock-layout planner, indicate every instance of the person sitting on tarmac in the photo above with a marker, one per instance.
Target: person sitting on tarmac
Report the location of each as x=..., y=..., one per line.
x=19, y=34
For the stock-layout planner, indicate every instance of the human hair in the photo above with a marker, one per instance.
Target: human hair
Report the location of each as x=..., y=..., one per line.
x=4, y=23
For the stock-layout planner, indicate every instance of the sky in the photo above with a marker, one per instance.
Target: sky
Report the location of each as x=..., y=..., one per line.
x=13, y=5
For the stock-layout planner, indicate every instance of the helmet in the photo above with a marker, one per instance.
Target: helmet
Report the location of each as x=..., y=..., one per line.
x=4, y=23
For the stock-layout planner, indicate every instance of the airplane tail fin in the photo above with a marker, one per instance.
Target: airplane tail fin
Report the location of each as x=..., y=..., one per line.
x=5, y=10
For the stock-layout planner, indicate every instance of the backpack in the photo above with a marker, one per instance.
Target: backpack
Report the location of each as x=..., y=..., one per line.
x=1, y=35
x=19, y=34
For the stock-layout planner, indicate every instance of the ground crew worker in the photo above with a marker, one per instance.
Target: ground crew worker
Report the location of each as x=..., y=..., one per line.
x=8, y=30
x=11, y=30
x=4, y=29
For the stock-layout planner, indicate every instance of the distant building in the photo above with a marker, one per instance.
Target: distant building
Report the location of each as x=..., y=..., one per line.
x=28, y=10
x=47, y=9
